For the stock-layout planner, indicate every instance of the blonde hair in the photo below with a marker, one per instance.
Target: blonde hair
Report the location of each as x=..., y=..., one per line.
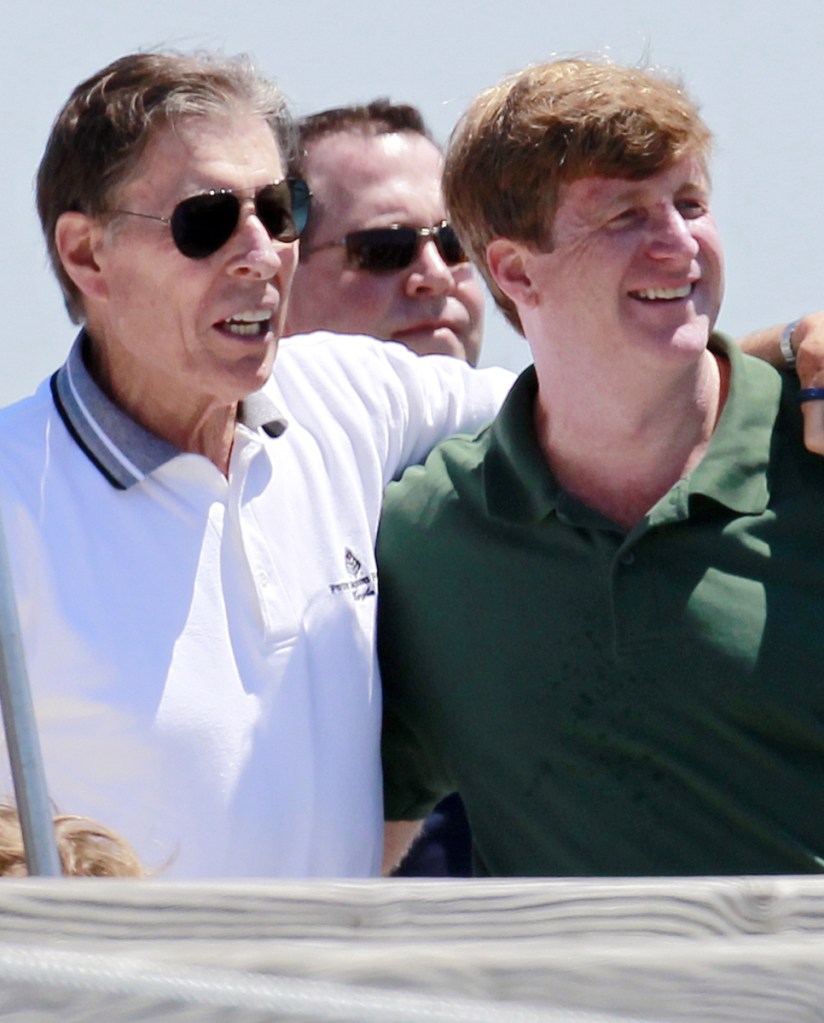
x=85, y=847
x=552, y=124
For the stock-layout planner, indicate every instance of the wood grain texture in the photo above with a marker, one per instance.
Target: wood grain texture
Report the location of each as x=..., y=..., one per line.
x=712, y=949
x=402, y=910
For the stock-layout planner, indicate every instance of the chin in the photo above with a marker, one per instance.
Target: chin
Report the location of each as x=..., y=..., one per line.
x=685, y=338
x=444, y=342
x=249, y=375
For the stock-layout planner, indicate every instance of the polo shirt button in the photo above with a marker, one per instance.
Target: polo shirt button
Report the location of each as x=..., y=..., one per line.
x=263, y=579
x=627, y=558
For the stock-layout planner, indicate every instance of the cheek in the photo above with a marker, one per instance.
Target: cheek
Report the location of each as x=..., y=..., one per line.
x=718, y=258
x=148, y=284
x=368, y=298
x=288, y=264
x=136, y=299
x=707, y=235
x=471, y=294
x=324, y=298
x=712, y=255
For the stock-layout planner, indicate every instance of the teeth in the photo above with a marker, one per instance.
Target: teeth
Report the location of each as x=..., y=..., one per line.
x=248, y=322
x=243, y=329
x=652, y=293
x=250, y=316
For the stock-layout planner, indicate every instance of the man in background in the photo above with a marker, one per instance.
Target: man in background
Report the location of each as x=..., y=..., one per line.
x=378, y=256
x=375, y=177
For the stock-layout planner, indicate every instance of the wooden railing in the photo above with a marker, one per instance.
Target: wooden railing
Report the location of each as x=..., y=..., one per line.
x=731, y=949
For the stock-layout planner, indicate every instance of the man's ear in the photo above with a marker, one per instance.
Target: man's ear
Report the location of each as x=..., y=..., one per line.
x=76, y=237
x=508, y=263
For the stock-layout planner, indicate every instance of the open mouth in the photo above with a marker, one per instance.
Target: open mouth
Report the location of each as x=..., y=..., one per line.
x=254, y=323
x=663, y=294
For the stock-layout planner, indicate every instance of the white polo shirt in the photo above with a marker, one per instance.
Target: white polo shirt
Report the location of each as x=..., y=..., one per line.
x=201, y=649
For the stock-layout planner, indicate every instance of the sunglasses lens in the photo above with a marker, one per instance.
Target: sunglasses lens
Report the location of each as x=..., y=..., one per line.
x=204, y=223
x=283, y=208
x=382, y=248
x=449, y=246
x=300, y=196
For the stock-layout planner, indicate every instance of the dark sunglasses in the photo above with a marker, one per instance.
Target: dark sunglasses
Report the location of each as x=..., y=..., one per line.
x=384, y=249
x=204, y=223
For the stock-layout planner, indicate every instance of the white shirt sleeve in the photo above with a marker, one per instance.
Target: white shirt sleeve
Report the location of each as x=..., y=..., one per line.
x=404, y=402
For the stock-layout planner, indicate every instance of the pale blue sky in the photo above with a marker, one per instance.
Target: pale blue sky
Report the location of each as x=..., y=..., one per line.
x=755, y=67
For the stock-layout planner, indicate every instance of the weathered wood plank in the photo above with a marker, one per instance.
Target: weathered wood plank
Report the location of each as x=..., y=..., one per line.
x=42, y=984
x=758, y=979
x=718, y=950
x=403, y=910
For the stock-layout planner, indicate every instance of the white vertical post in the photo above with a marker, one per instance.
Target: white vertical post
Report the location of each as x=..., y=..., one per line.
x=22, y=740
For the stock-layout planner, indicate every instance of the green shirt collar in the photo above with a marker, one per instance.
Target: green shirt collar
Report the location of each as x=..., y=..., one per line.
x=520, y=485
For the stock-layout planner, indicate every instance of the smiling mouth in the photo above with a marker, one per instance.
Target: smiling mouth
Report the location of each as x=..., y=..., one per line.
x=663, y=294
x=254, y=323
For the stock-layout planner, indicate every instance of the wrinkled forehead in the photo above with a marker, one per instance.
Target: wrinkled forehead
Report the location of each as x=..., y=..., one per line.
x=234, y=149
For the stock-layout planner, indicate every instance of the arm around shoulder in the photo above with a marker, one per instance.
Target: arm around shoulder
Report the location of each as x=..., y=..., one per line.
x=443, y=396
x=398, y=837
x=798, y=346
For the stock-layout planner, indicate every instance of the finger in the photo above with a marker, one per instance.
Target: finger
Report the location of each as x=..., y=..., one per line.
x=813, y=412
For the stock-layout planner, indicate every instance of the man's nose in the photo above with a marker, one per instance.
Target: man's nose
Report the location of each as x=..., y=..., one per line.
x=671, y=234
x=428, y=271
x=256, y=254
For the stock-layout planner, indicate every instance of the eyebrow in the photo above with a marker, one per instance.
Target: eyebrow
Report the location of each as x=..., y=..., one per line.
x=634, y=192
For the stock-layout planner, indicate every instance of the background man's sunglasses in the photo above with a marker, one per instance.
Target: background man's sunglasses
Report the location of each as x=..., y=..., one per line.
x=204, y=223
x=383, y=249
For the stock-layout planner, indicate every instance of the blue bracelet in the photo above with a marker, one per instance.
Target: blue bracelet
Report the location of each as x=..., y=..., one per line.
x=811, y=394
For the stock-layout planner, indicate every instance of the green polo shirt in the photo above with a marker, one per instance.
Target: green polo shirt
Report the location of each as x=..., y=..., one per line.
x=613, y=703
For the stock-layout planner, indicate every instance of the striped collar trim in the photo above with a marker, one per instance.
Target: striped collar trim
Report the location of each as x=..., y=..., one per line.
x=122, y=450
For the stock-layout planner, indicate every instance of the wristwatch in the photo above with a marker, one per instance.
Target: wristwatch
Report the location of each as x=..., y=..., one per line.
x=786, y=344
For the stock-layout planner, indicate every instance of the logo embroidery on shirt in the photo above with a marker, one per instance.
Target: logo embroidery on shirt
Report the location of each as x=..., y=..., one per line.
x=361, y=584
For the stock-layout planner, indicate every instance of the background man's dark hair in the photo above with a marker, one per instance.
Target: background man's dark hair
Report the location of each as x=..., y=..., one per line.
x=380, y=117
x=370, y=120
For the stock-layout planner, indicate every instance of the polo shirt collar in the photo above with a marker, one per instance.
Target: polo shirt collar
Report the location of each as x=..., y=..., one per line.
x=519, y=484
x=521, y=487
x=734, y=470
x=122, y=450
